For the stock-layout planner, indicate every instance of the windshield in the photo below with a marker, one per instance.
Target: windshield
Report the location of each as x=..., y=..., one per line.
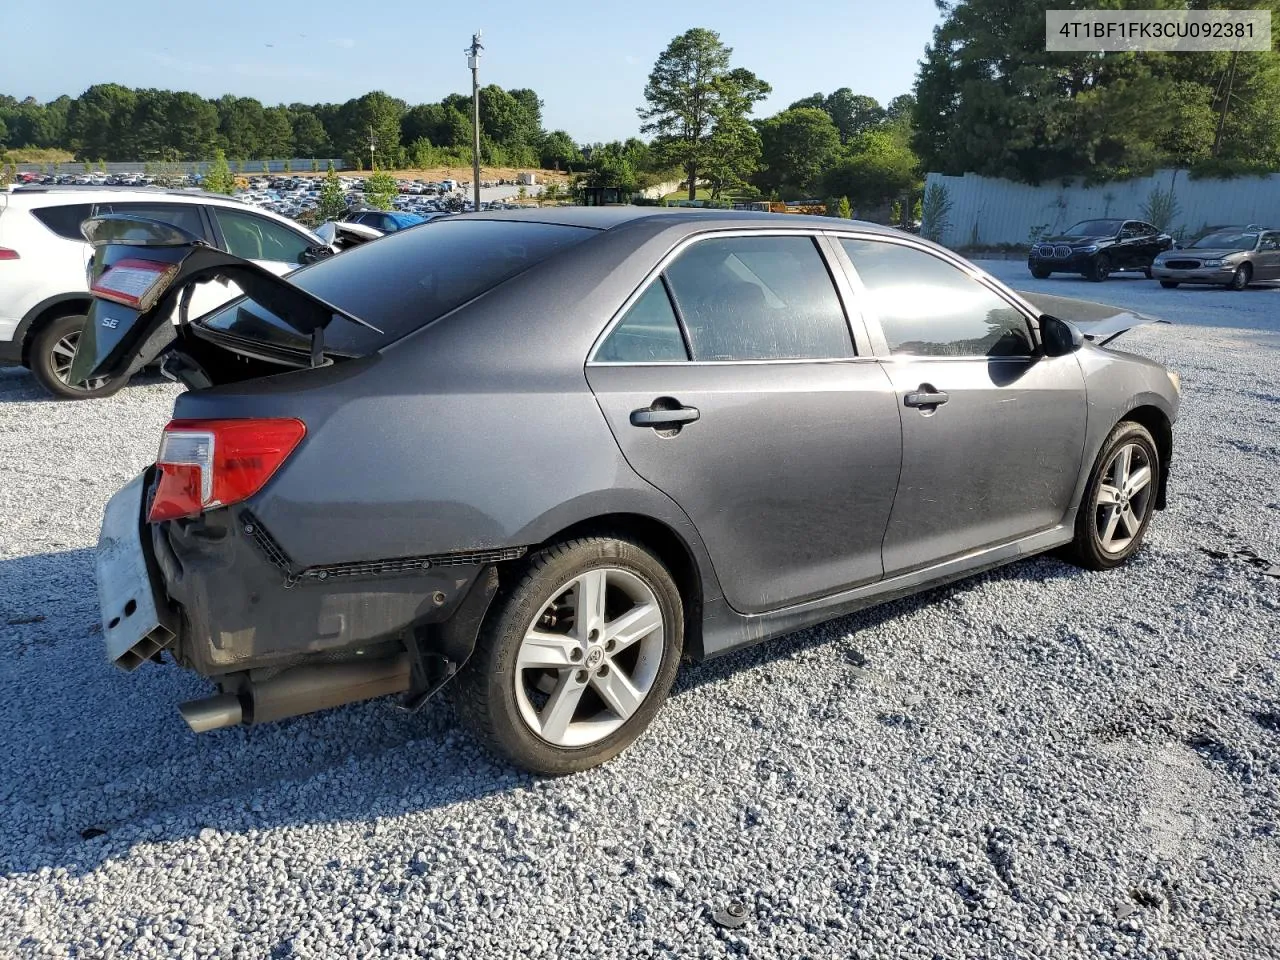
x=1227, y=240
x=404, y=281
x=1094, y=228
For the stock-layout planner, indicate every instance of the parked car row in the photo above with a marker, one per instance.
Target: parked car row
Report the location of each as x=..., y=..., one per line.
x=1231, y=256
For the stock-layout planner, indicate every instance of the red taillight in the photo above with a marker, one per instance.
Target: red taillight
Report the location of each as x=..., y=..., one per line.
x=134, y=283
x=215, y=463
x=7, y=254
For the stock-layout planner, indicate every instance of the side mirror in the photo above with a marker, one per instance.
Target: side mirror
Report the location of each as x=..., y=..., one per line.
x=312, y=254
x=1059, y=337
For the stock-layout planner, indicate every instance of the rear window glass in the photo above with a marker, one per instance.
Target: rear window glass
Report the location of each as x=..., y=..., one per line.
x=64, y=220
x=406, y=280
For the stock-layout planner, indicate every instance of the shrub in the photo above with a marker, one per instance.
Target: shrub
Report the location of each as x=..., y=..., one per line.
x=935, y=217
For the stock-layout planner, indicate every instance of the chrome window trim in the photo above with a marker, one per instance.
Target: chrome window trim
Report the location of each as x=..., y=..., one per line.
x=815, y=235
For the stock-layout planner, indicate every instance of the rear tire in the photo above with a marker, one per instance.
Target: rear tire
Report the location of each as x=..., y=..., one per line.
x=1118, y=502
x=1146, y=272
x=556, y=688
x=1240, y=279
x=1169, y=284
x=1099, y=269
x=52, y=349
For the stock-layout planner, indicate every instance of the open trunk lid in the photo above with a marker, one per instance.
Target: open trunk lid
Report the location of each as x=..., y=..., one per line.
x=143, y=276
x=1097, y=321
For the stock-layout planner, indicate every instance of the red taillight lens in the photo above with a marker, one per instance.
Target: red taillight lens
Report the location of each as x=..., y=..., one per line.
x=7, y=254
x=215, y=463
x=134, y=283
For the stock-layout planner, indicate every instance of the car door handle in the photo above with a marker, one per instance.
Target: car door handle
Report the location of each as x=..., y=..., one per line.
x=926, y=396
x=672, y=417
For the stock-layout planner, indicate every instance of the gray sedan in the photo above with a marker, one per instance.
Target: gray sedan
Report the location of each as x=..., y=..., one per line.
x=541, y=457
x=1232, y=257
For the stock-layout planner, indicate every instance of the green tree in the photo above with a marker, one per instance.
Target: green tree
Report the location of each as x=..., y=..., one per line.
x=798, y=146
x=380, y=190
x=240, y=125
x=734, y=155
x=309, y=136
x=332, y=200
x=991, y=100
x=690, y=90
x=277, y=134
x=844, y=210
x=557, y=151
x=880, y=167
x=220, y=179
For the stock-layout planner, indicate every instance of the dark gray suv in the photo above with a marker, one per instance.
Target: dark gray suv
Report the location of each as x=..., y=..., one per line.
x=541, y=456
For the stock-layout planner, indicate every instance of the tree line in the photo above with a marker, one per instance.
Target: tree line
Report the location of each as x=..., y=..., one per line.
x=113, y=122
x=987, y=99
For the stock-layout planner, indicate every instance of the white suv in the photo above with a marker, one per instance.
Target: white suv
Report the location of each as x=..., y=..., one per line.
x=44, y=260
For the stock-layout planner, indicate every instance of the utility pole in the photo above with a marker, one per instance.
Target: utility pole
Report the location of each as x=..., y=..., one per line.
x=473, y=61
x=373, y=143
x=1229, y=80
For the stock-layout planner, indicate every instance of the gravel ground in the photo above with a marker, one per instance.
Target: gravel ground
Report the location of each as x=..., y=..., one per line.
x=1038, y=762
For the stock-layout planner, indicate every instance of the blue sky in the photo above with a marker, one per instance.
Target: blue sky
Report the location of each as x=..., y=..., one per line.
x=588, y=61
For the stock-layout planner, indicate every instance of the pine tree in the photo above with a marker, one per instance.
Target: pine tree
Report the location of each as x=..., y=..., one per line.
x=332, y=200
x=219, y=179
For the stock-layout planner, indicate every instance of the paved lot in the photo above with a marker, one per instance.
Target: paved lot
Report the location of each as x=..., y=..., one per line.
x=1041, y=762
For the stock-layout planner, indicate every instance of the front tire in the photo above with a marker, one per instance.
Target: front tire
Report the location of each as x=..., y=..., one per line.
x=1041, y=273
x=1240, y=279
x=1169, y=284
x=52, y=350
x=1099, y=269
x=1119, y=500
x=575, y=657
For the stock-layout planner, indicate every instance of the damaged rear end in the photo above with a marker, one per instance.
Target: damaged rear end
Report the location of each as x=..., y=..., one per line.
x=188, y=563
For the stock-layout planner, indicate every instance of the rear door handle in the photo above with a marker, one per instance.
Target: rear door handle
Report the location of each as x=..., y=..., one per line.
x=926, y=396
x=674, y=417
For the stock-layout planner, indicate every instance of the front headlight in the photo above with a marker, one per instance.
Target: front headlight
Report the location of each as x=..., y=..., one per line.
x=1176, y=381
x=1213, y=263
x=1091, y=248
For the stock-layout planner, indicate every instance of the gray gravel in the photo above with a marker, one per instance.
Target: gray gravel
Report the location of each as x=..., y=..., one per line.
x=1039, y=762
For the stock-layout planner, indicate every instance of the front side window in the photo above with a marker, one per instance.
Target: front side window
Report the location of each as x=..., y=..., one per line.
x=1270, y=241
x=648, y=333
x=256, y=238
x=927, y=307
x=759, y=298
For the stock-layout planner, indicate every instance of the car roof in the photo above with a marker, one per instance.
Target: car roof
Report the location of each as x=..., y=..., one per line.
x=90, y=192
x=608, y=217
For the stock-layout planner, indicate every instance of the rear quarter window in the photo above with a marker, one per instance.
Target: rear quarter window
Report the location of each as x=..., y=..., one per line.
x=408, y=279
x=64, y=219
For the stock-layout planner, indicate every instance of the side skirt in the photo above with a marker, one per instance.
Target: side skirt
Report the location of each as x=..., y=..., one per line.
x=724, y=629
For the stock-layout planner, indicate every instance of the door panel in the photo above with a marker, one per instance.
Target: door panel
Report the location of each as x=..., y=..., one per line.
x=997, y=461
x=788, y=473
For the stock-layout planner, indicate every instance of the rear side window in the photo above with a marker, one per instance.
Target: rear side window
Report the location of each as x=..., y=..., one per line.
x=927, y=307
x=183, y=215
x=648, y=333
x=411, y=278
x=759, y=298
x=65, y=219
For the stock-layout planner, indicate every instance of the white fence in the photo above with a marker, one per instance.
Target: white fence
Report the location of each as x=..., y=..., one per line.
x=986, y=211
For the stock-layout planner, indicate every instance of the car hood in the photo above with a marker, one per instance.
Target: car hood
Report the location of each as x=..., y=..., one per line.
x=1075, y=239
x=1099, y=322
x=1206, y=253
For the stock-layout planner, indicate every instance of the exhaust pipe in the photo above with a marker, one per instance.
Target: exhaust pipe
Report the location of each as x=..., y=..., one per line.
x=298, y=691
x=212, y=712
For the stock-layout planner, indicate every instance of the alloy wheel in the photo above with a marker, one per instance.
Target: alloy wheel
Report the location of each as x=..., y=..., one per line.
x=590, y=657
x=1124, y=497
x=62, y=353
